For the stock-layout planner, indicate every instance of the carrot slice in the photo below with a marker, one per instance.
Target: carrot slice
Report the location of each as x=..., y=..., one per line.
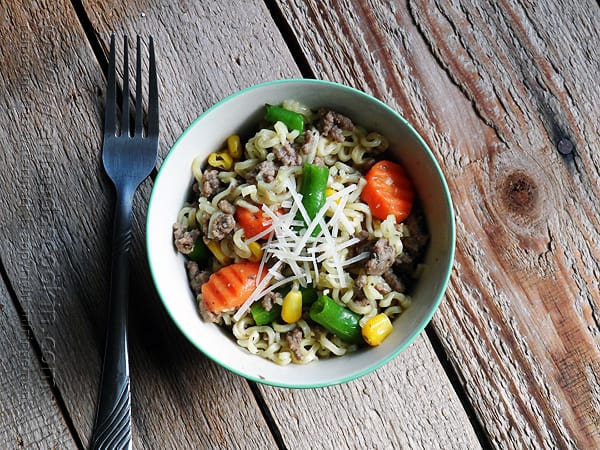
x=229, y=287
x=253, y=223
x=388, y=191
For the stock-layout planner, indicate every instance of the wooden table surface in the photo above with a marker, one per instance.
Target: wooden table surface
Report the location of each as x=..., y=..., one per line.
x=507, y=95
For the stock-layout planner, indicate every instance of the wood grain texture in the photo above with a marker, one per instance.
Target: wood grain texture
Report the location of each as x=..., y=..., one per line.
x=540, y=92
x=57, y=221
x=494, y=92
x=497, y=91
x=29, y=415
x=405, y=404
x=229, y=48
x=51, y=176
x=206, y=51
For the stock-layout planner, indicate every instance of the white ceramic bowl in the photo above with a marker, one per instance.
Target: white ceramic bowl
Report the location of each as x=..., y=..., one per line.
x=240, y=113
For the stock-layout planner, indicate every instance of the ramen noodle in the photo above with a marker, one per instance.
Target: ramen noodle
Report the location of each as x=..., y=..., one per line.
x=288, y=223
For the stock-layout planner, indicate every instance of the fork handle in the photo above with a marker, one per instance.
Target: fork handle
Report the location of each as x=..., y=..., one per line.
x=112, y=428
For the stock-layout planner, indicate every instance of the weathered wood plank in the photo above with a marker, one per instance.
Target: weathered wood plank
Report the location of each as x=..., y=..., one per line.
x=29, y=415
x=56, y=215
x=405, y=404
x=540, y=95
x=229, y=67
x=498, y=91
x=206, y=51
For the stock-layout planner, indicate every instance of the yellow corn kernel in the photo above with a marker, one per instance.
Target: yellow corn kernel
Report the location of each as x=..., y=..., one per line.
x=376, y=329
x=220, y=160
x=329, y=192
x=291, y=307
x=256, y=251
x=234, y=146
x=215, y=248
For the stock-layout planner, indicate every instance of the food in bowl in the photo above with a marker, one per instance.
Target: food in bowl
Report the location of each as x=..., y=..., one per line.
x=305, y=241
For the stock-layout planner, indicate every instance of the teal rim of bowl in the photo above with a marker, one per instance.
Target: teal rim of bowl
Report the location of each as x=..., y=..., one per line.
x=452, y=237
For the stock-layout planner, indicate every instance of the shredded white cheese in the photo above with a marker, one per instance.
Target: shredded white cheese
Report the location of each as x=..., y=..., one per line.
x=292, y=245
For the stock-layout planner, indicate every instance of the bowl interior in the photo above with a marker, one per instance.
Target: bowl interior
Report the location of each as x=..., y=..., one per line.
x=241, y=114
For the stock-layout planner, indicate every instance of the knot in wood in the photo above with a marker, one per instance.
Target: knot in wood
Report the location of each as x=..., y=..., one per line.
x=520, y=193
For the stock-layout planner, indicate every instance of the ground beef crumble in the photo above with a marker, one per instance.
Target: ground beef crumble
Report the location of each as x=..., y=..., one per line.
x=207, y=315
x=382, y=258
x=220, y=225
x=196, y=276
x=210, y=183
x=264, y=171
x=332, y=124
x=287, y=155
x=309, y=143
x=294, y=341
x=360, y=299
x=226, y=206
x=361, y=282
x=401, y=277
x=318, y=161
x=184, y=239
x=413, y=245
x=394, y=281
x=270, y=299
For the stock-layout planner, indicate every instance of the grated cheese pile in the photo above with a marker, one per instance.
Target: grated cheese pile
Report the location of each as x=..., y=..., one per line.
x=292, y=245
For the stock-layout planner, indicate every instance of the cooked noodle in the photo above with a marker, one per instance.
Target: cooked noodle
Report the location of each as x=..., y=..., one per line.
x=346, y=223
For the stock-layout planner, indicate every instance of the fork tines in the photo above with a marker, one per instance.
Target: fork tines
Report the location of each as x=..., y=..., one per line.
x=110, y=117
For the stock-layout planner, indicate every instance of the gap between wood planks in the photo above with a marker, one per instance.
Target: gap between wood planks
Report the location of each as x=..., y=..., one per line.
x=455, y=381
x=266, y=412
x=453, y=376
x=101, y=56
x=306, y=71
x=45, y=369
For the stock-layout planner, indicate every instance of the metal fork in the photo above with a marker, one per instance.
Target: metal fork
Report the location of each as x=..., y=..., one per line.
x=128, y=159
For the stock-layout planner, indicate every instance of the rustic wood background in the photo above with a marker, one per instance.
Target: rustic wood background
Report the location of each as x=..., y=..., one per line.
x=505, y=93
